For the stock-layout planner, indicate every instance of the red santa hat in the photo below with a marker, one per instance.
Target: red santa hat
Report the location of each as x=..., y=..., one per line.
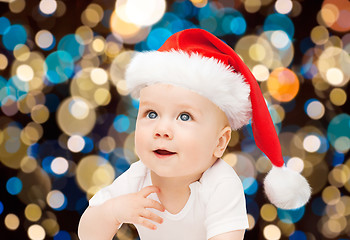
x=197, y=60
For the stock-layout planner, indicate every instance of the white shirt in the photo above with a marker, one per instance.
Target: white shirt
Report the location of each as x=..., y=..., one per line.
x=216, y=203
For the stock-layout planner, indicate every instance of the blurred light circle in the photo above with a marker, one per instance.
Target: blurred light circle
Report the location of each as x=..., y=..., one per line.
x=25, y=72
x=298, y=235
x=280, y=39
x=314, y=109
x=268, y=212
x=281, y=22
x=11, y=221
x=21, y=52
x=283, y=6
x=98, y=45
x=3, y=61
x=4, y=24
x=62, y=235
x=48, y=7
x=76, y=143
x=1, y=207
x=250, y=185
x=40, y=113
x=296, y=164
x=139, y=12
x=121, y=123
x=102, y=96
x=311, y=143
x=73, y=45
x=14, y=186
x=334, y=76
x=69, y=123
x=338, y=96
x=51, y=226
x=55, y=199
x=238, y=25
x=79, y=108
x=86, y=177
x=59, y=165
x=338, y=132
x=157, y=37
x=331, y=195
x=44, y=39
x=14, y=35
x=329, y=13
x=36, y=232
x=32, y=212
x=319, y=35
x=59, y=66
x=283, y=84
x=291, y=216
x=128, y=32
x=85, y=33
x=99, y=76
x=257, y=52
x=272, y=232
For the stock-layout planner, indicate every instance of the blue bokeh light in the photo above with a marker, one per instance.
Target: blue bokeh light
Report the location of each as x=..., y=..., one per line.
x=13, y=35
x=281, y=22
x=290, y=216
x=121, y=123
x=62, y=235
x=157, y=37
x=298, y=235
x=4, y=24
x=72, y=44
x=59, y=67
x=1, y=207
x=250, y=185
x=14, y=186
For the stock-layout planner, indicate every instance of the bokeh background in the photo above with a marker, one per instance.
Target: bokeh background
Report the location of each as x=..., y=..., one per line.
x=67, y=123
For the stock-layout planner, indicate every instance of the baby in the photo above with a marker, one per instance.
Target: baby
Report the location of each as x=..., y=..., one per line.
x=193, y=91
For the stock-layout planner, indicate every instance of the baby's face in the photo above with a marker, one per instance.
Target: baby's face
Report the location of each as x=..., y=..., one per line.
x=177, y=130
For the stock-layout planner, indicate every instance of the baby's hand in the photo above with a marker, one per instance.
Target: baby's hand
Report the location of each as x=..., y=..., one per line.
x=132, y=208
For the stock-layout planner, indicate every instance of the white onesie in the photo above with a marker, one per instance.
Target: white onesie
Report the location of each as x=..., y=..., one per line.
x=216, y=204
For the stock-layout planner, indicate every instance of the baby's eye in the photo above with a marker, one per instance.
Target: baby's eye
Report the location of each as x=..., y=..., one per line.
x=184, y=117
x=152, y=115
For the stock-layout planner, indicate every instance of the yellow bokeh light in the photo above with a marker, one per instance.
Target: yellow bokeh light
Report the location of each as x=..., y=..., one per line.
x=85, y=34
x=268, y=212
x=98, y=45
x=25, y=72
x=272, y=232
x=107, y=144
x=334, y=76
x=21, y=52
x=32, y=212
x=329, y=14
x=28, y=164
x=311, y=143
x=99, y=76
x=17, y=6
x=331, y=195
x=260, y=72
x=51, y=226
x=85, y=173
x=338, y=96
x=36, y=232
x=11, y=221
x=40, y=113
x=252, y=6
x=257, y=52
x=295, y=163
x=283, y=84
x=3, y=62
x=319, y=35
x=102, y=97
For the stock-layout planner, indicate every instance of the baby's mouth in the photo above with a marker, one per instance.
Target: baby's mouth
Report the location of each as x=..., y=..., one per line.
x=163, y=152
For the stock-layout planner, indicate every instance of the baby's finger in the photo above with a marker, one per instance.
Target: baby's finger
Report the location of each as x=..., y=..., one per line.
x=148, y=190
x=151, y=216
x=142, y=221
x=154, y=204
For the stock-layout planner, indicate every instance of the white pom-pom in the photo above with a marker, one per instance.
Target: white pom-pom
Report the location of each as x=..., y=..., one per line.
x=286, y=188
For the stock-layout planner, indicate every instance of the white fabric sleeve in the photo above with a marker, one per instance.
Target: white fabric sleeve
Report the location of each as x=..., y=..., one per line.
x=226, y=208
x=119, y=187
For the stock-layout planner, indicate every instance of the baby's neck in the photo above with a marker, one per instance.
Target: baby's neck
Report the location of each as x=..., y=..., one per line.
x=174, y=192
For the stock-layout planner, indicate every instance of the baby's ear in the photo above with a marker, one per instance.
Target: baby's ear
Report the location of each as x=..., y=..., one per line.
x=224, y=139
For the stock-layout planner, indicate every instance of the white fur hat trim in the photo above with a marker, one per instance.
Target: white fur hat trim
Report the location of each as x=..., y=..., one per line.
x=206, y=76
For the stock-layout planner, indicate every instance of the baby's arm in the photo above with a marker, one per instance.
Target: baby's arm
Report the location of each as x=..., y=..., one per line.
x=102, y=222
